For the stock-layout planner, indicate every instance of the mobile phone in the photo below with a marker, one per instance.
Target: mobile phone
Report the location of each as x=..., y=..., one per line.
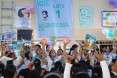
x=97, y=49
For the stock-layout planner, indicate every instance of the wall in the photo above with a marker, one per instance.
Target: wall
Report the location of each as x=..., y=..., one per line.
x=99, y=5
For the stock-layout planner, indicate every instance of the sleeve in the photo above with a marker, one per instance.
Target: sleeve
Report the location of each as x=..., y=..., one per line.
x=67, y=70
x=17, y=61
x=105, y=70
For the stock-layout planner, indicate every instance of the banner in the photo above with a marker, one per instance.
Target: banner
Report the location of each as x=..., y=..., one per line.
x=22, y=20
x=54, y=18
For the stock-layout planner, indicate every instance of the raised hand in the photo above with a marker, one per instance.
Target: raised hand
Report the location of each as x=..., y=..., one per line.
x=114, y=69
x=64, y=46
x=99, y=56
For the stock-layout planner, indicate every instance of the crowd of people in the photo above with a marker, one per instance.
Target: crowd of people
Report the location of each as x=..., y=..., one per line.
x=42, y=61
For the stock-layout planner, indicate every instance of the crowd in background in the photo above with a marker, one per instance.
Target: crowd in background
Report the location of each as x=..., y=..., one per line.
x=42, y=61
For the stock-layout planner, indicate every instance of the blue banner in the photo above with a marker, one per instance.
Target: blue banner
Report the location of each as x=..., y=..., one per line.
x=54, y=17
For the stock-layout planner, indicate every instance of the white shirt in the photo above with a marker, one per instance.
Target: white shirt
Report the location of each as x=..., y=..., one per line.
x=17, y=61
x=81, y=57
x=67, y=70
x=105, y=70
x=113, y=55
x=51, y=62
x=108, y=58
x=103, y=64
x=27, y=62
x=4, y=59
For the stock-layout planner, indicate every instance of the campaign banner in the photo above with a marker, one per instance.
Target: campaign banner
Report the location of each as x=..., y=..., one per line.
x=54, y=18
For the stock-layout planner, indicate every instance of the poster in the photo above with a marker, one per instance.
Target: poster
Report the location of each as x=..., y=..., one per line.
x=85, y=16
x=9, y=34
x=22, y=20
x=90, y=41
x=109, y=18
x=54, y=17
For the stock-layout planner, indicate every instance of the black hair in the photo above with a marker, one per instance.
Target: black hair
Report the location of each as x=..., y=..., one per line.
x=110, y=48
x=52, y=75
x=34, y=74
x=47, y=46
x=24, y=73
x=43, y=73
x=58, y=64
x=81, y=75
x=75, y=69
x=10, y=54
x=97, y=72
x=37, y=63
x=50, y=52
x=58, y=68
x=27, y=55
x=73, y=61
x=83, y=64
x=60, y=49
x=20, y=14
x=9, y=72
x=38, y=46
x=73, y=47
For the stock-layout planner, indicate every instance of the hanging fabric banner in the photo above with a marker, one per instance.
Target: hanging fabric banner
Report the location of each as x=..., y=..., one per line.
x=54, y=17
